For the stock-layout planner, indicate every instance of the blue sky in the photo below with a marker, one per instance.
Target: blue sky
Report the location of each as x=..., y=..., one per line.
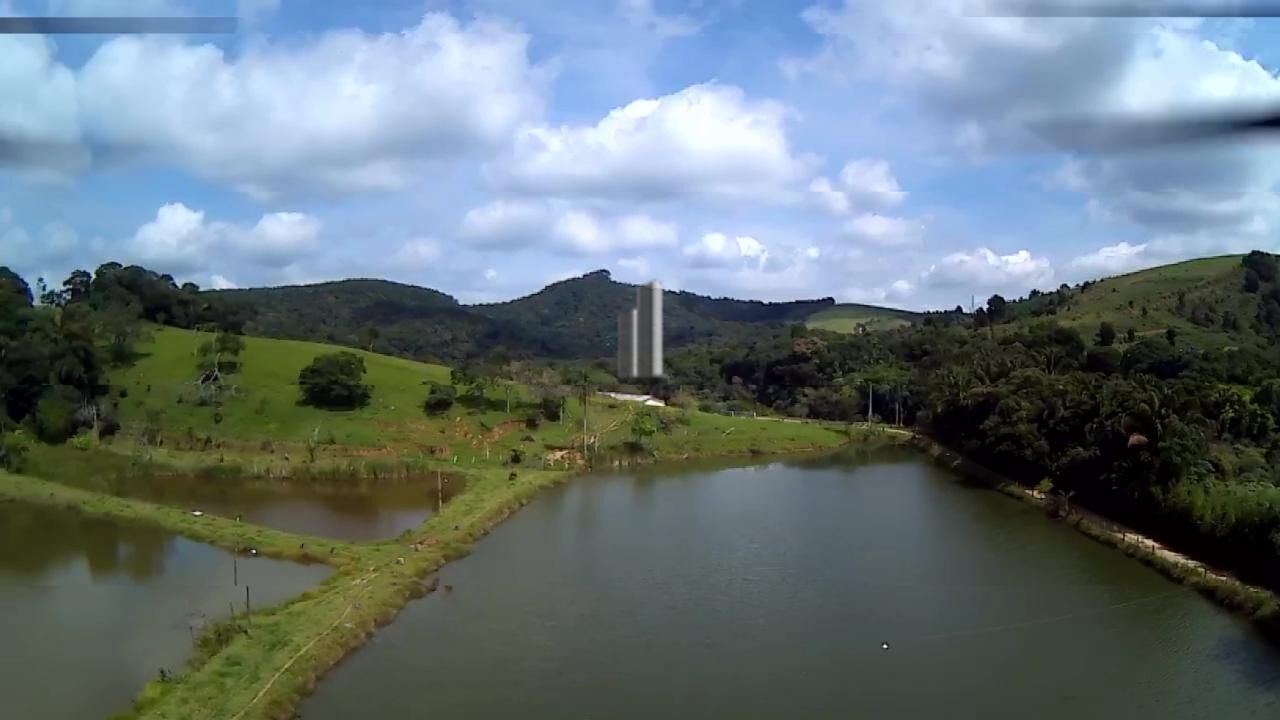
x=873, y=152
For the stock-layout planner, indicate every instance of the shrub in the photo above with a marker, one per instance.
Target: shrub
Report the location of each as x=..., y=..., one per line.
x=333, y=381
x=550, y=408
x=532, y=422
x=14, y=447
x=81, y=441
x=439, y=399
x=517, y=456
x=55, y=418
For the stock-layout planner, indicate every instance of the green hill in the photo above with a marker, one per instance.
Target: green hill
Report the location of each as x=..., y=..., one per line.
x=1202, y=300
x=853, y=317
x=570, y=319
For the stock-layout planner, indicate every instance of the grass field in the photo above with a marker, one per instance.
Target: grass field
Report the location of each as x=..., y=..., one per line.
x=852, y=318
x=265, y=404
x=263, y=432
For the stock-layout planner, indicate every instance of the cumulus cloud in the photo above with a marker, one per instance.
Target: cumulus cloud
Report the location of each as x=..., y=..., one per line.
x=716, y=249
x=897, y=291
x=504, y=223
x=180, y=240
x=707, y=140
x=417, y=254
x=1112, y=259
x=995, y=78
x=885, y=229
x=864, y=183
x=221, y=282
x=345, y=110
x=510, y=224
x=984, y=269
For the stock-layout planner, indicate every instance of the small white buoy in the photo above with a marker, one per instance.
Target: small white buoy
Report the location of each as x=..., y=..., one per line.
x=197, y=513
x=253, y=551
x=884, y=646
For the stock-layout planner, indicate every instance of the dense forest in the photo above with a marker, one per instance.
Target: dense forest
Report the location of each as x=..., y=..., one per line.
x=1181, y=442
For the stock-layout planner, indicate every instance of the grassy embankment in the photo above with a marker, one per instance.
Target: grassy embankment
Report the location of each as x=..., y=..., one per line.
x=262, y=432
x=1258, y=604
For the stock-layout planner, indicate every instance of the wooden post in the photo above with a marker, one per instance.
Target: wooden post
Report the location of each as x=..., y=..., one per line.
x=248, y=610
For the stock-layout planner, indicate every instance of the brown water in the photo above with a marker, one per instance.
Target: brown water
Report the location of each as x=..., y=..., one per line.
x=767, y=592
x=357, y=511
x=90, y=610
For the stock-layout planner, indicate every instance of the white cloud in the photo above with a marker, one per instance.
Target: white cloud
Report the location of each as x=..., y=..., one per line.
x=509, y=224
x=641, y=14
x=634, y=269
x=642, y=231
x=828, y=197
x=716, y=249
x=179, y=240
x=277, y=239
x=864, y=183
x=897, y=291
x=490, y=275
x=579, y=231
x=870, y=182
x=505, y=223
x=1112, y=259
x=707, y=140
x=984, y=269
x=417, y=254
x=885, y=229
x=347, y=110
x=995, y=78
x=221, y=282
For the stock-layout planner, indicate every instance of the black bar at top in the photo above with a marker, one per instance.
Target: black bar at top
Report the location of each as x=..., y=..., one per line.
x=117, y=25
x=1123, y=9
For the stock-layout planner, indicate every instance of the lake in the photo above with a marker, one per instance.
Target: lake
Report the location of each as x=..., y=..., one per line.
x=90, y=609
x=769, y=591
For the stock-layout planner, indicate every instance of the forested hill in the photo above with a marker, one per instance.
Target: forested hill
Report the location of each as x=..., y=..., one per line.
x=570, y=319
x=580, y=315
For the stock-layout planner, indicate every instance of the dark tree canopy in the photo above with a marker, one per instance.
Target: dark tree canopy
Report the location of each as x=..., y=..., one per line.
x=334, y=381
x=1106, y=334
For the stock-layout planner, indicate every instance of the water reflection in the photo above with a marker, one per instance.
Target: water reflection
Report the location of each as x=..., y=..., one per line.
x=354, y=510
x=35, y=538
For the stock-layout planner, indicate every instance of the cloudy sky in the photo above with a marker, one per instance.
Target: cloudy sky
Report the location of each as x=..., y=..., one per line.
x=870, y=151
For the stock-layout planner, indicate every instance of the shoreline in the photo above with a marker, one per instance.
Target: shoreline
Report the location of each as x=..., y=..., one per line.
x=1259, y=605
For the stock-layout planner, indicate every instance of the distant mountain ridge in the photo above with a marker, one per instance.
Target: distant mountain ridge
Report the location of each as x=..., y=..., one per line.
x=570, y=319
